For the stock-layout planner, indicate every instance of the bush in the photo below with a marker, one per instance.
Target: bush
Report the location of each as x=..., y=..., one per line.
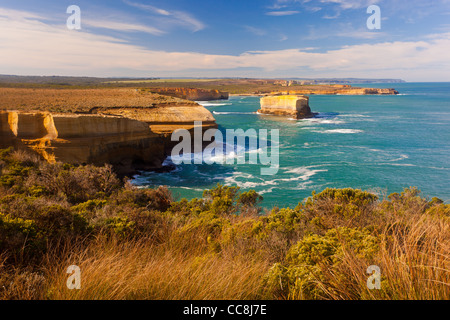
x=340, y=208
x=315, y=259
x=18, y=237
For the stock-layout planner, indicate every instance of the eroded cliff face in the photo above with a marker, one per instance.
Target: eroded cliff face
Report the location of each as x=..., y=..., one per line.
x=125, y=143
x=163, y=119
x=129, y=135
x=192, y=94
x=293, y=106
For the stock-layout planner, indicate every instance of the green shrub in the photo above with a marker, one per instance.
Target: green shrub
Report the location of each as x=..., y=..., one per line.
x=314, y=259
x=348, y=202
x=18, y=237
x=121, y=226
x=87, y=208
x=286, y=222
x=222, y=199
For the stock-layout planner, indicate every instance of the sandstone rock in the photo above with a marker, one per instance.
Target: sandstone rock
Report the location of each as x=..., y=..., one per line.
x=165, y=118
x=128, y=128
x=125, y=143
x=293, y=106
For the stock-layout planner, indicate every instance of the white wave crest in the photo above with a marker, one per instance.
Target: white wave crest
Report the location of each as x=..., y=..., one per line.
x=212, y=104
x=223, y=112
x=346, y=131
x=315, y=121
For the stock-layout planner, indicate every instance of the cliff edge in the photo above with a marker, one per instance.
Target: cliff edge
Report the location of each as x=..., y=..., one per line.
x=129, y=135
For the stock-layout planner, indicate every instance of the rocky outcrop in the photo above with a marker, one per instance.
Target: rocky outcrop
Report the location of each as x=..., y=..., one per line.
x=125, y=143
x=130, y=137
x=191, y=93
x=165, y=118
x=296, y=107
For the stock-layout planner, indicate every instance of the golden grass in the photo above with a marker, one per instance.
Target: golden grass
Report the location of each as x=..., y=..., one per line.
x=138, y=270
x=414, y=262
x=77, y=100
x=414, y=265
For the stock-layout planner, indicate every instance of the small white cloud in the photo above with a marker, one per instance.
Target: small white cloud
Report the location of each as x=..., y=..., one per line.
x=281, y=13
x=343, y=4
x=147, y=7
x=170, y=18
x=255, y=31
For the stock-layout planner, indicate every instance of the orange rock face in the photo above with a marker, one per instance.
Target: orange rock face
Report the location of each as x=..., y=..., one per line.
x=128, y=137
x=79, y=139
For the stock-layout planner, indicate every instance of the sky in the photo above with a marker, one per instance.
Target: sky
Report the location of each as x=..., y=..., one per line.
x=227, y=38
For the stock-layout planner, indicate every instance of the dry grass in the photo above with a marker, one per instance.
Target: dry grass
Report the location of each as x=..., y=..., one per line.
x=139, y=270
x=414, y=261
x=76, y=100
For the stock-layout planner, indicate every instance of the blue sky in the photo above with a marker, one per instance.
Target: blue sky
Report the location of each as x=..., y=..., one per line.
x=214, y=38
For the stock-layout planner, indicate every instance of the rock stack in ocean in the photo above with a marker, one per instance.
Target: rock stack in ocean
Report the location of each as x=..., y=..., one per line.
x=293, y=106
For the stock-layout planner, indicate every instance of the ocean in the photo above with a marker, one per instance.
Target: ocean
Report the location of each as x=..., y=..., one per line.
x=381, y=144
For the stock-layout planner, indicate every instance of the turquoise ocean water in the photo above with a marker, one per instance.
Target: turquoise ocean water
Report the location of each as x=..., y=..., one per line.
x=377, y=143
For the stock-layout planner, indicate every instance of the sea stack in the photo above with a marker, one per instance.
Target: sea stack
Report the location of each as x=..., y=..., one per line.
x=294, y=106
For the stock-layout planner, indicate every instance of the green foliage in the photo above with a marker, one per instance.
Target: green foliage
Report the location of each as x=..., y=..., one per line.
x=307, y=261
x=121, y=226
x=153, y=199
x=346, y=202
x=87, y=208
x=37, y=191
x=222, y=199
x=18, y=236
x=287, y=222
x=407, y=202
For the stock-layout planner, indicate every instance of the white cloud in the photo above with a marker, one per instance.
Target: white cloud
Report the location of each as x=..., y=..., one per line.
x=283, y=37
x=341, y=30
x=31, y=46
x=170, y=18
x=122, y=26
x=281, y=13
x=255, y=31
x=352, y=4
x=343, y=4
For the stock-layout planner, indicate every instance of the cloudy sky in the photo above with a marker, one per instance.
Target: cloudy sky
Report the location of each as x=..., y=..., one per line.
x=217, y=38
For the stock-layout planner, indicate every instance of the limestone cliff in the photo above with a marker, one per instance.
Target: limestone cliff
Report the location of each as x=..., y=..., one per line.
x=293, y=106
x=191, y=93
x=79, y=139
x=129, y=135
x=165, y=118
